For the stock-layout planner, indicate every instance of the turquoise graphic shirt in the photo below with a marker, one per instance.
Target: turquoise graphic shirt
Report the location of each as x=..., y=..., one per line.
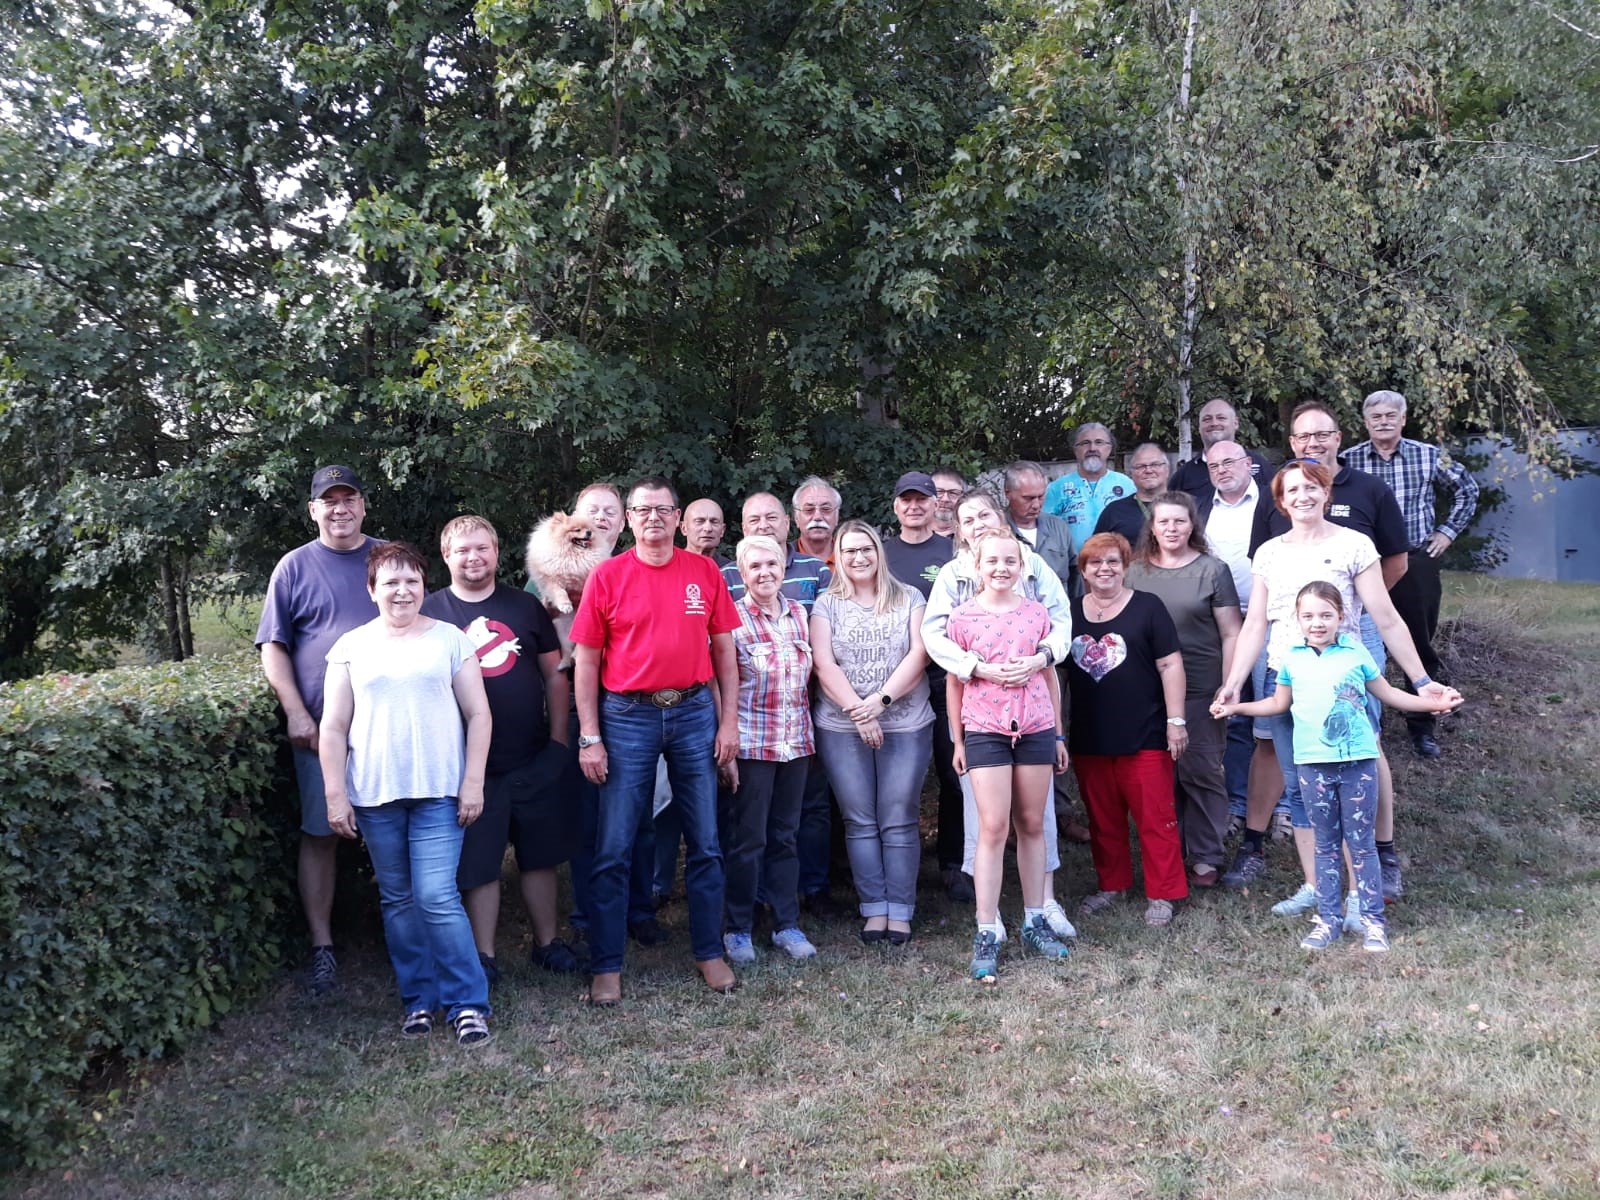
x=1330, y=701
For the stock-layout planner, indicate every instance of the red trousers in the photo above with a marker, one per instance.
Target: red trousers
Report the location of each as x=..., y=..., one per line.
x=1140, y=784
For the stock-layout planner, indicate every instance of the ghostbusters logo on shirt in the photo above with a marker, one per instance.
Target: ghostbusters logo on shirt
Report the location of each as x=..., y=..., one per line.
x=497, y=646
x=694, y=601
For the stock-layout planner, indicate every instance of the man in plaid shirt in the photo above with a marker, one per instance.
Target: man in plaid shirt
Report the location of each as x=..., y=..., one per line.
x=1418, y=473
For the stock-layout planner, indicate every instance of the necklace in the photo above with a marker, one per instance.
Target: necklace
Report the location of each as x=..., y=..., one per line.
x=1107, y=606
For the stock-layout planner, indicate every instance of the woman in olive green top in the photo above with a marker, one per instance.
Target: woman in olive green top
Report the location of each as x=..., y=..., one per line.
x=1173, y=562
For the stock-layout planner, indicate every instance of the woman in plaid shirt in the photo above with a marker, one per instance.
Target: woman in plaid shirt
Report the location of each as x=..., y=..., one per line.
x=761, y=809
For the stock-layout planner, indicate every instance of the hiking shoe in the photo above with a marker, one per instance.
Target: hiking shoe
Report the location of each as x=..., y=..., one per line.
x=322, y=976
x=557, y=957
x=739, y=947
x=1098, y=902
x=472, y=1028
x=1281, y=829
x=647, y=932
x=985, y=957
x=1374, y=937
x=1322, y=935
x=1352, y=913
x=1056, y=917
x=1042, y=940
x=1246, y=869
x=793, y=943
x=491, y=969
x=1389, y=866
x=1297, y=905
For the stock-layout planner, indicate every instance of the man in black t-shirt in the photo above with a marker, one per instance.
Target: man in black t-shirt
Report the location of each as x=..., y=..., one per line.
x=530, y=789
x=914, y=558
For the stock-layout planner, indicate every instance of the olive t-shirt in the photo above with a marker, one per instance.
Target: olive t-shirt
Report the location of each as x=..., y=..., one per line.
x=1190, y=593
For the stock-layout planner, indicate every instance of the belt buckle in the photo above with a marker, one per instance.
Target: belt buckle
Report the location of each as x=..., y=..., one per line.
x=666, y=697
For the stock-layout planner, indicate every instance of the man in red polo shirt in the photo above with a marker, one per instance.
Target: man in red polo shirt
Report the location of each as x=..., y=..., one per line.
x=654, y=627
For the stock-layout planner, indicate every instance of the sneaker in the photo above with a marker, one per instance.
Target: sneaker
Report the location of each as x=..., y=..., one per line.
x=793, y=943
x=957, y=886
x=1246, y=869
x=322, y=976
x=1281, y=829
x=1389, y=866
x=418, y=1024
x=1297, y=905
x=1158, y=914
x=1056, y=917
x=491, y=969
x=1352, y=913
x=647, y=932
x=1235, y=825
x=472, y=1029
x=1374, y=937
x=985, y=957
x=557, y=957
x=739, y=947
x=1042, y=940
x=1322, y=935
x=1098, y=902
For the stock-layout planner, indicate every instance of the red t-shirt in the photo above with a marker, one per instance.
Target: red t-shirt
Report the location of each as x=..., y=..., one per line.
x=653, y=625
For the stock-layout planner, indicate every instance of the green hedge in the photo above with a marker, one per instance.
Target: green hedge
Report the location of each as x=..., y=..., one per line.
x=144, y=881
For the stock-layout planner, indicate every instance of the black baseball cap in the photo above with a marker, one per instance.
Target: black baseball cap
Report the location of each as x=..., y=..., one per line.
x=915, y=481
x=329, y=477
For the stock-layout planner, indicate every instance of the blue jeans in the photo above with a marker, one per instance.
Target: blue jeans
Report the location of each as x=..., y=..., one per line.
x=641, y=903
x=1282, y=728
x=1373, y=641
x=880, y=794
x=1343, y=799
x=637, y=733
x=415, y=846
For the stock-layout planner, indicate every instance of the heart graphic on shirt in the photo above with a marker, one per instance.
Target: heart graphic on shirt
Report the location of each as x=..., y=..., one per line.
x=1099, y=657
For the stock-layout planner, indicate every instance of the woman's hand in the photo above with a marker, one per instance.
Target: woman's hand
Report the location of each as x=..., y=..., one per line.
x=1220, y=710
x=1014, y=672
x=1446, y=701
x=729, y=774
x=864, y=710
x=341, y=817
x=958, y=757
x=1177, y=741
x=1061, y=758
x=469, y=804
x=871, y=733
x=1226, y=694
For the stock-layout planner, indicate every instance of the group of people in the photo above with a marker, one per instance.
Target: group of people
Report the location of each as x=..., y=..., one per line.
x=1180, y=640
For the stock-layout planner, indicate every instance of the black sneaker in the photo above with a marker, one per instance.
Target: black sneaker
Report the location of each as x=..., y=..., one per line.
x=1246, y=869
x=648, y=932
x=958, y=886
x=491, y=969
x=557, y=957
x=322, y=976
x=1389, y=866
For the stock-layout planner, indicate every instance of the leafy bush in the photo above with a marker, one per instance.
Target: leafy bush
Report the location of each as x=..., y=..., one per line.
x=143, y=873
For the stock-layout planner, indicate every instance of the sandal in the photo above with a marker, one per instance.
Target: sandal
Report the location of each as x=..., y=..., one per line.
x=417, y=1024
x=471, y=1027
x=1099, y=902
x=1159, y=914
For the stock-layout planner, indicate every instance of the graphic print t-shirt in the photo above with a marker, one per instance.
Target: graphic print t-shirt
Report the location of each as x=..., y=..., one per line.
x=1330, y=701
x=509, y=630
x=1118, y=706
x=868, y=647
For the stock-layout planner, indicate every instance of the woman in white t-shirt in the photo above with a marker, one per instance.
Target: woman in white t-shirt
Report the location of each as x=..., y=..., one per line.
x=1313, y=549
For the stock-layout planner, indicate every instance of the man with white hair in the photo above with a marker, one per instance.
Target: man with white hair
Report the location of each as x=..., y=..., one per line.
x=1079, y=499
x=1418, y=473
x=816, y=516
x=1219, y=422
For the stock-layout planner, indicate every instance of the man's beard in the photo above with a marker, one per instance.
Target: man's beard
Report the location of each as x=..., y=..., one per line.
x=1093, y=464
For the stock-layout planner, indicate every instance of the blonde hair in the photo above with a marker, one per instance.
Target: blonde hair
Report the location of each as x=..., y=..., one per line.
x=464, y=524
x=889, y=594
x=976, y=496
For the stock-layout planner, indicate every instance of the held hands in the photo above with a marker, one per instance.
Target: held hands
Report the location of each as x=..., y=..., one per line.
x=1222, y=711
x=341, y=817
x=1441, y=699
x=469, y=804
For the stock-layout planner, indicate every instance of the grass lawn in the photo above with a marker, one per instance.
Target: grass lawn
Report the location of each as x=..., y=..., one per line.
x=1212, y=1059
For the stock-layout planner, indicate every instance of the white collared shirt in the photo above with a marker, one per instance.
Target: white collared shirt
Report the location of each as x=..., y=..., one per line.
x=1228, y=531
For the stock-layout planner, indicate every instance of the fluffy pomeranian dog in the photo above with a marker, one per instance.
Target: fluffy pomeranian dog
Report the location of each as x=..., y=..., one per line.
x=562, y=550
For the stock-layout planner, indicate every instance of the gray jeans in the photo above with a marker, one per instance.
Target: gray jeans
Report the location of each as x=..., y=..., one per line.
x=880, y=794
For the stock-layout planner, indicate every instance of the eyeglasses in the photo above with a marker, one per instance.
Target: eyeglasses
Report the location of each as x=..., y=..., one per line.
x=1226, y=462
x=1316, y=435
x=1091, y=442
x=857, y=552
x=947, y=493
x=1145, y=468
x=644, y=510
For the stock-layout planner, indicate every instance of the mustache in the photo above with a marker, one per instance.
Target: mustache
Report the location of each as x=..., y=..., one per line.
x=818, y=525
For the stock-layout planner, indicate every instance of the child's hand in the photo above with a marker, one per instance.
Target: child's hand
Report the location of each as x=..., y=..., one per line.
x=1222, y=711
x=1449, y=702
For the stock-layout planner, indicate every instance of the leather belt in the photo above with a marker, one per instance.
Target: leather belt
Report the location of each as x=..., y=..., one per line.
x=666, y=697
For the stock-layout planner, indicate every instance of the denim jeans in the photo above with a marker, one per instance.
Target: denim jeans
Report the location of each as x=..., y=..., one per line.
x=880, y=793
x=1373, y=641
x=1282, y=727
x=641, y=903
x=758, y=827
x=637, y=733
x=415, y=846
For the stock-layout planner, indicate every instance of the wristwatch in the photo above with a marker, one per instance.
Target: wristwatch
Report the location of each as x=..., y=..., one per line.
x=1170, y=721
x=887, y=699
x=585, y=740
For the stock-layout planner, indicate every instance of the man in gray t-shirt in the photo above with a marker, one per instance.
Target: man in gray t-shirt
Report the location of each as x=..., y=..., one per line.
x=317, y=593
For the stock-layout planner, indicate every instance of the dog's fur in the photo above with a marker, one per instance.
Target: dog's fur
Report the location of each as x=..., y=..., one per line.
x=562, y=550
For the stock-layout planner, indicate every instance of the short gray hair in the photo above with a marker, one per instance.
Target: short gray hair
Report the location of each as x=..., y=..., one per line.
x=1015, y=471
x=816, y=481
x=756, y=541
x=1394, y=399
x=1100, y=425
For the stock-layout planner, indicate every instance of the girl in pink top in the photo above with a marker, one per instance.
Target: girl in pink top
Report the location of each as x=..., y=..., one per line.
x=1009, y=738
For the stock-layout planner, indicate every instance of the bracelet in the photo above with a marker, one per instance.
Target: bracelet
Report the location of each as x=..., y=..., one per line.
x=1061, y=737
x=1419, y=684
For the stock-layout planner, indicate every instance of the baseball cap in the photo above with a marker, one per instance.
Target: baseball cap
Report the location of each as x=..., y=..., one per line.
x=333, y=476
x=915, y=481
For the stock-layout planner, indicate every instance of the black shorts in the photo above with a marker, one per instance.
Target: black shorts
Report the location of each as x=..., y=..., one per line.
x=534, y=808
x=995, y=750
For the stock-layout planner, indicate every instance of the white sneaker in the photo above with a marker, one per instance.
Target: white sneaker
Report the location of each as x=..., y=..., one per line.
x=794, y=943
x=1055, y=917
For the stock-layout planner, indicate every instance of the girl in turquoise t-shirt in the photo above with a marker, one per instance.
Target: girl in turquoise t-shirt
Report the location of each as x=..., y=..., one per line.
x=1323, y=684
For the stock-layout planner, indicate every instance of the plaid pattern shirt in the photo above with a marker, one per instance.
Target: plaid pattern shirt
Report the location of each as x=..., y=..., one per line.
x=1412, y=473
x=774, y=669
